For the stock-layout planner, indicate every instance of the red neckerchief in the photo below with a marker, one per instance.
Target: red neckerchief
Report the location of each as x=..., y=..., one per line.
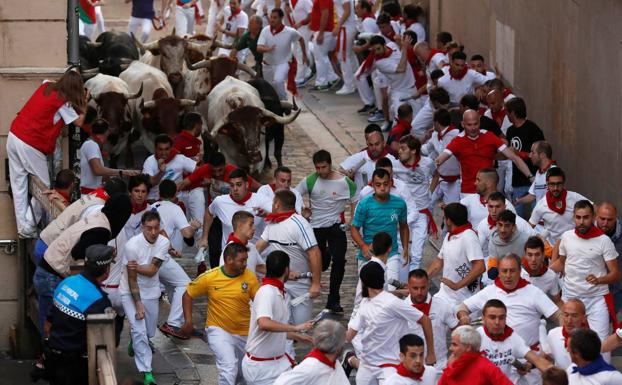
x=483, y=201
x=498, y=116
x=244, y=199
x=557, y=205
x=279, y=29
x=459, y=230
x=593, y=232
x=274, y=282
x=234, y=13
x=431, y=55
x=541, y=171
x=369, y=15
x=66, y=197
x=318, y=355
x=506, y=92
x=234, y=239
x=402, y=371
x=414, y=165
x=138, y=208
x=408, y=23
x=371, y=58
x=521, y=283
x=279, y=217
x=397, y=18
x=423, y=307
x=532, y=273
x=100, y=143
x=171, y=155
x=273, y=186
x=459, y=75
x=506, y=333
x=100, y=193
x=446, y=131
x=566, y=336
x=384, y=153
x=294, y=2
x=491, y=222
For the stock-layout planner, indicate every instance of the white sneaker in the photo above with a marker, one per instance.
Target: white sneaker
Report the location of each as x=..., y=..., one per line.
x=345, y=91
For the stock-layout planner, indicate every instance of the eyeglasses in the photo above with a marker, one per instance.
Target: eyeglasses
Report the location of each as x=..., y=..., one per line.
x=558, y=184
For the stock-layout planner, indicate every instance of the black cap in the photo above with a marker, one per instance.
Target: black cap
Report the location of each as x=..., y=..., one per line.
x=97, y=256
x=372, y=275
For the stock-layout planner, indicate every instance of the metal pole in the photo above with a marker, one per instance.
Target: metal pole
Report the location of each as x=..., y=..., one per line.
x=73, y=54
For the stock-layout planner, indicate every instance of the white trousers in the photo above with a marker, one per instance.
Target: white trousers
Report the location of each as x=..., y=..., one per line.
x=212, y=14
x=194, y=200
x=346, y=56
x=505, y=177
x=372, y=375
x=303, y=70
x=141, y=330
x=85, y=29
x=264, y=372
x=23, y=160
x=324, y=72
x=143, y=24
x=175, y=280
x=115, y=299
x=449, y=191
x=365, y=92
x=229, y=350
x=418, y=236
x=184, y=21
x=276, y=75
x=99, y=20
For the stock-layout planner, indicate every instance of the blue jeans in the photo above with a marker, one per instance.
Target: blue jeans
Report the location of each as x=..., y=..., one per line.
x=39, y=250
x=522, y=210
x=44, y=283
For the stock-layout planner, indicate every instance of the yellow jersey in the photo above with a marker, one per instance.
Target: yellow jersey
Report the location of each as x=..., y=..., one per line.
x=228, y=298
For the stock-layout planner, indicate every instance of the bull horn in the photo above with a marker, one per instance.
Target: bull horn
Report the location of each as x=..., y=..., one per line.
x=220, y=44
x=197, y=47
x=144, y=47
x=187, y=102
x=281, y=119
x=135, y=95
x=247, y=69
x=125, y=60
x=286, y=105
x=173, y=31
x=149, y=104
x=90, y=71
x=221, y=122
x=205, y=63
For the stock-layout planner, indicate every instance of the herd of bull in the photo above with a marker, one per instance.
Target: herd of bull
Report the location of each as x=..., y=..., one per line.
x=143, y=89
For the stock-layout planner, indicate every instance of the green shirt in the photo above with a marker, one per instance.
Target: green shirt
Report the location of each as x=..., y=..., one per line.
x=246, y=41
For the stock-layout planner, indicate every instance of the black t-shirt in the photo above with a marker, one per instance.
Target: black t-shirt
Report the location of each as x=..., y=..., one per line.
x=521, y=138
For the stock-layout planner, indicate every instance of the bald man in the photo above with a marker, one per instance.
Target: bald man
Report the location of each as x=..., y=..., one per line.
x=607, y=220
x=496, y=110
x=573, y=317
x=476, y=149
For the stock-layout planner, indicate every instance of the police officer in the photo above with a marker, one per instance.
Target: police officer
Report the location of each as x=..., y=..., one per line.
x=76, y=297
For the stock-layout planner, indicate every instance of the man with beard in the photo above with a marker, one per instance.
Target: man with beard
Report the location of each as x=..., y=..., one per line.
x=589, y=260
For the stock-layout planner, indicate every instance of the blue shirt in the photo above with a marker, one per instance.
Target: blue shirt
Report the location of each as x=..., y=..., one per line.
x=374, y=216
x=143, y=9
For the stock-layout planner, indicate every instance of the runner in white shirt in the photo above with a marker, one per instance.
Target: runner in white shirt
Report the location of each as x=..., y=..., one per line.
x=555, y=211
x=589, y=366
x=243, y=231
x=419, y=297
x=282, y=180
x=448, y=179
x=291, y=233
x=166, y=163
x=588, y=258
x=556, y=342
x=265, y=357
x=412, y=369
x=382, y=320
x=423, y=121
x=275, y=42
x=140, y=287
x=366, y=25
x=486, y=181
x=412, y=15
x=234, y=22
x=540, y=155
x=344, y=32
x=460, y=80
x=320, y=366
x=433, y=58
x=240, y=198
x=298, y=17
x=461, y=262
x=536, y=272
x=502, y=346
x=416, y=171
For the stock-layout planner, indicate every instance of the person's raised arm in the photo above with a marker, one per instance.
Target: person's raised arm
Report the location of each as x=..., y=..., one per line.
x=402, y=65
x=522, y=166
x=267, y=324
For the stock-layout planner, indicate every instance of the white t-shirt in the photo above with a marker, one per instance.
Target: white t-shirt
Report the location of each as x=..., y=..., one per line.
x=269, y=302
x=423, y=121
x=301, y=10
x=415, y=327
x=428, y=378
x=381, y=321
x=417, y=180
x=328, y=199
x=89, y=150
x=547, y=282
x=525, y=308
x=223, y=207
x=363, y=167
x=554, y=223
x=483, y=231
x=283, y=42
x=435, y=147
x=173, y=220
x=555, y=347
x=538, y=187
x=437, y=61
x=585, y=257
x=313, y=372
x=293, y=236
x=140, y=250
x=367, y=25
x=254, y=258
x=233, y=24
x=351, y=20
x=266, y=190
x=503, y=353
x=398, y=81
x=358, y=293
x=416, y=28
x=478, y=211
x=457, y=88
x=458, y=254
x=174, y=171
x=612, y=377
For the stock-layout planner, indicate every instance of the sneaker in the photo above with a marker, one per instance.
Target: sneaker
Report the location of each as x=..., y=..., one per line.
x=29, y=234
x=335, y=84
x=323, y=88
x=335, y=308
x=386, y=127
x=345, y=362
x=345, y=91
x=172, y=331
x=378, y=116
x=130, y=349
x=148, y=378
x=366, y=108
x=305, y=81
